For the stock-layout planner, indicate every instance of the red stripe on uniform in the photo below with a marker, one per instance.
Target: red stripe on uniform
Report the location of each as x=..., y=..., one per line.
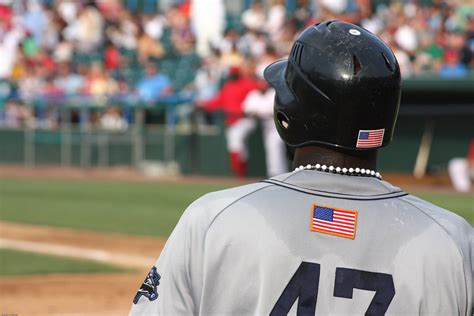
x=328, y=231
x=350, y=225
x=339, y=228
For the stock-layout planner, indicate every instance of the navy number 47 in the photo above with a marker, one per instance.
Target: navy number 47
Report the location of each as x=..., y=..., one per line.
x=304, y=287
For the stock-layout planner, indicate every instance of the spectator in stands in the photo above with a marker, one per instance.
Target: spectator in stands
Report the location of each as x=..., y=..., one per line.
x=64, y=50
x=99, y=84
x=229, y=100
x=52, y=31
x=30, y=47
x=406, y=38
x=112, y=58
x=11, y=35
x=11, y=115
x=286, y=38
x=276, y=19
x=154, y=86
x=111, y=9
x=67, y=11
x=19, y=68
x=123, y=89
x=154, y=26
x=35, y=20
x=69, y=81
x=206, y=82
x=206, y=85
x=208, y=32
x=185, y=8
x=468, y=49
x=50, y=91
x=87, y=28
x=253, y=44
x=452, y=68
x=123, y=33
x=429, y=56
x=254, y=18
x=231, y=58
x=30, y=86
x=148, y=48
x=182, y=35
x=16, y=115
x=230, y=40
x=6, y=14
x=112, y=120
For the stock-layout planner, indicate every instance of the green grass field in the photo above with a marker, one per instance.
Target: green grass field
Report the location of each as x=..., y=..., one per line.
x=13, y=262
x=463, y=204
x=132, y=208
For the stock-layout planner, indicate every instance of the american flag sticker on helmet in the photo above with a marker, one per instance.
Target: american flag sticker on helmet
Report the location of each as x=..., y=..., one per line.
x=370, y=138
x=333, y=221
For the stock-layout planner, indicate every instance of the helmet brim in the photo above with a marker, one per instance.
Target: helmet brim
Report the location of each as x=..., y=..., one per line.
x=274, y=72
x=275, y=75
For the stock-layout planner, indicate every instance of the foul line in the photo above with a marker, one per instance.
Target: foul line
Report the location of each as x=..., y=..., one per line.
x=121, y=259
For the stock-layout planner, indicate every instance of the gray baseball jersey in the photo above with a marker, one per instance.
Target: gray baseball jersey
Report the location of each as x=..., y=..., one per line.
x=313, y=243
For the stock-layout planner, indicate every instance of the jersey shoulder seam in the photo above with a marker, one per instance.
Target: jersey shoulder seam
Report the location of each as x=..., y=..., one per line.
x=233, y=202
x=382, y=196
x=287, y=178
x=222, y=211
x=434, y=220
x=450, y=238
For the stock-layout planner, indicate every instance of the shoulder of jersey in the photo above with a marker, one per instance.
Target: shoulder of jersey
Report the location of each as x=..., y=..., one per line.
x=212, y=204
x=454, y=225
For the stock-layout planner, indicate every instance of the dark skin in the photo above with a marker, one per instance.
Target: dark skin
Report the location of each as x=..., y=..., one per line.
x=330, y=156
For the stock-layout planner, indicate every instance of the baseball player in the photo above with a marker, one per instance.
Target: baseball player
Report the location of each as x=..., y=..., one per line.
x=230, y=99
x=259, y=105
x=331, y=237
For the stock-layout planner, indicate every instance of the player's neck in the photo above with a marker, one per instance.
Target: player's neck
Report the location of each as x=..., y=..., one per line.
x=337, y=158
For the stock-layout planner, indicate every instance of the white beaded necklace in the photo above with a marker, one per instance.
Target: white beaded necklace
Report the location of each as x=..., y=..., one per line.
x=344, y=171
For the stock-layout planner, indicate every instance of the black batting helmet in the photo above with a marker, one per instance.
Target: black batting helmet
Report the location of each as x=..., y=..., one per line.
x=340, y=87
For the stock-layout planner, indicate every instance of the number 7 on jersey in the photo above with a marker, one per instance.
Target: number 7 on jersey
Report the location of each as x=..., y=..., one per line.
x=305, y=283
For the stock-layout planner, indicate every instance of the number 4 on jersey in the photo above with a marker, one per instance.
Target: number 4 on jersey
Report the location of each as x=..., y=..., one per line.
x=305, y=282
x=303, y=285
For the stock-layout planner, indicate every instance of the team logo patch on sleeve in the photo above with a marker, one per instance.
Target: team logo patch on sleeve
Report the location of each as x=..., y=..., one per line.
x=148, y=288
x=370, y=138
x=333, y=221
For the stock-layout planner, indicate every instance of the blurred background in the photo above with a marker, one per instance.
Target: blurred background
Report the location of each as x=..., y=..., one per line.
x=116, y=114
x=141, y=83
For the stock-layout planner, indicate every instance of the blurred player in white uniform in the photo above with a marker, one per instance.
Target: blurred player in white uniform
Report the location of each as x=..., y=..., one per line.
x=259, y=105
x=330, y=238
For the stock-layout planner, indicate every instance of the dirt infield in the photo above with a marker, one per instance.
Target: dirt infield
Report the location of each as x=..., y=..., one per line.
x=78, y=294
x=431, y=181
x=112, y=243
x=109, y=174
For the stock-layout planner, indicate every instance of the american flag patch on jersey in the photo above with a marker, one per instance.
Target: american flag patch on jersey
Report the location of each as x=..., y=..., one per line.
x=334, y=221
x=370, y=138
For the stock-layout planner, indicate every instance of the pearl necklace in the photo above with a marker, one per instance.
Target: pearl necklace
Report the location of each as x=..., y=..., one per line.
x=344, y=171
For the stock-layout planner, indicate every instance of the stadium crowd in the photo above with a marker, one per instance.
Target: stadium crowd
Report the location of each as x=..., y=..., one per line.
x=109, y=55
